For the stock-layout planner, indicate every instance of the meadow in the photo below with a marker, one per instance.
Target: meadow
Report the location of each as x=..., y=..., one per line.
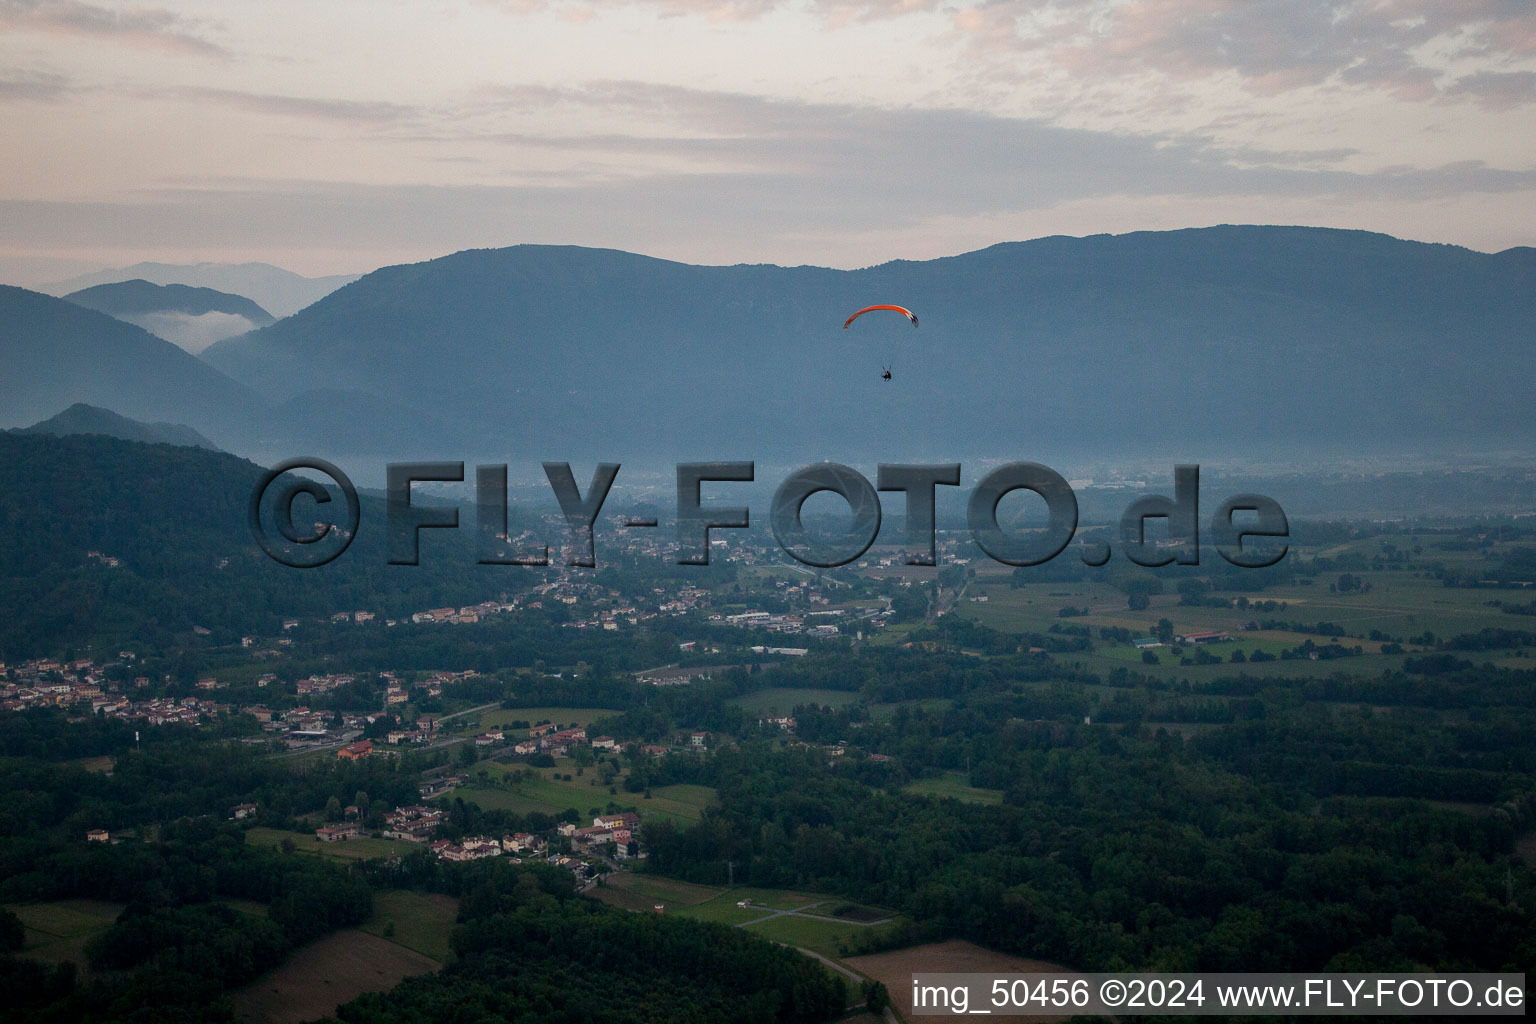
x=507, y=787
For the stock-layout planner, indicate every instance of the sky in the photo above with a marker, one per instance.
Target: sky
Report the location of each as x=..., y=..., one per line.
x=333, y=136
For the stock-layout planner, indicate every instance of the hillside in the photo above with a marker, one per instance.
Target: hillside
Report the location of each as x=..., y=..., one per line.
x=1287, y=342
x=173, y=551
x=138, y=297
x=57, y=353
x=189, y=318
x=279, y=291
x=88, y=419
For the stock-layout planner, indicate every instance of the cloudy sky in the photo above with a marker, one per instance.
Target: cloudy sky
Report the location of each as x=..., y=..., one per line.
x=333, y=136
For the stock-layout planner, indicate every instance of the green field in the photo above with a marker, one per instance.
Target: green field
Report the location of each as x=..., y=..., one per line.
x=953, y=785
x=58, y=931
x=643, y=892
x=422, y=921
x=823, y=936
x=1400, y=604
x=550, y=795
x=885, y=712
x=721, y=911
x=822, y=933
x=782, y=701
x=365, y=848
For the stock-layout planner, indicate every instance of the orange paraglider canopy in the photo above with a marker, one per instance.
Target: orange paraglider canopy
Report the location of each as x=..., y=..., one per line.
x=904, y=311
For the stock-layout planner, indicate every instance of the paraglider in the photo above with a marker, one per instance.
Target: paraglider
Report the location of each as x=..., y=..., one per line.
x=885, y=373
x=904, y=311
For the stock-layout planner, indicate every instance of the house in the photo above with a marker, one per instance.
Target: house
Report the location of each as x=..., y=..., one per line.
x=604, y=743
x=336, y=833
x=698, y=740
x=240, y=812
x=98, y=835
x=1205, y=636
x=628, y=819
x=472, y=848
x=429, y=787
x=355, y=751
x=522, y=842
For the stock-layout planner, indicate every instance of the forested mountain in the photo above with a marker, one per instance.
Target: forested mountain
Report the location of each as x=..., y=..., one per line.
x=282, y=292
x=1276, y=344
x=129, y=298
x=1234, y=340
x=173, y=520
x=56, y=353
x=88, y=419
x=191, y=318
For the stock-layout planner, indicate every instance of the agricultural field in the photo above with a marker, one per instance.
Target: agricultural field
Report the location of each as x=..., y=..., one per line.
x=58, y=931
x=419, y=921
x=324, y=974
x=895, y=969
x=364, y=848
x=800, y=919
x=885, y=712
x=1399, y=604
x=775, y=701
x=502, y=789
x=826, y=936
x=642, y=892
x=953, y=785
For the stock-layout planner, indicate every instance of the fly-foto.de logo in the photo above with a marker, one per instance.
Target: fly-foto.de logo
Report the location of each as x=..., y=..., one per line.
x=1237, y=521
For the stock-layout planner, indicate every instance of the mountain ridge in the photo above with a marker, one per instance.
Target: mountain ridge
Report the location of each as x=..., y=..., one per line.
x=141, y=296
x=82, y=418
x=1228, y=338
x=280, y=292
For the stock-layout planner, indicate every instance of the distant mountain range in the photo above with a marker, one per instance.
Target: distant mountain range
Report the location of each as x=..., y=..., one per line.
x=279, y=291
x=89, y=419
x=56, y=354
x=1213, y=342
x=1288, y=344
x=128, y=298
x=188, y=317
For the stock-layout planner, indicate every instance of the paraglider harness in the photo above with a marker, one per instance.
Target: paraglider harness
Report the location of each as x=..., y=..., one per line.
x=886, y=373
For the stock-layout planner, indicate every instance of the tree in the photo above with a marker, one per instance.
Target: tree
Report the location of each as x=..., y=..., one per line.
x=876, y=998
x=1137, y=601
x=333, y=809
x=13, y=935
